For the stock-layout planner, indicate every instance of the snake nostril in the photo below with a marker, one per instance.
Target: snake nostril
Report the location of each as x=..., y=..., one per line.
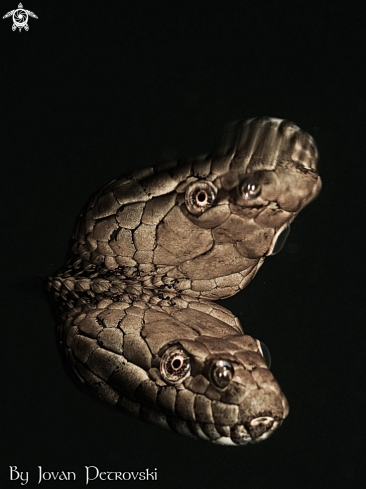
x=259, y=426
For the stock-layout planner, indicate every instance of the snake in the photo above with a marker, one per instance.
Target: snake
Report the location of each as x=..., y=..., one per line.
x=137, y=325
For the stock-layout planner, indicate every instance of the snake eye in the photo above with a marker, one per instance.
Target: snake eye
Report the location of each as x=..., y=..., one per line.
x=221, y=373
x=200, y=196
x=250, y=188
x=175, y=365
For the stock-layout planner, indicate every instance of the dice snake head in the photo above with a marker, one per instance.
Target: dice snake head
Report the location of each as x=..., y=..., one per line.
x=211, y=381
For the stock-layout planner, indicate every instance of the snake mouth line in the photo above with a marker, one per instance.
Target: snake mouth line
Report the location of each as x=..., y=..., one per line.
x=257, y=430
x=236, y=434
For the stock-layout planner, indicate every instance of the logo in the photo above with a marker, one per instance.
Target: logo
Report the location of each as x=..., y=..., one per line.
x=20, y=17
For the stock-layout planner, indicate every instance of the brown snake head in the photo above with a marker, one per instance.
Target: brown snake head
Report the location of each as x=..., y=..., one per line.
x=219, y=387
x=186, y=370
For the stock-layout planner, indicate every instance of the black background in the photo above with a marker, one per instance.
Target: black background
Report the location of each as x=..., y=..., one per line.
x=93, y=90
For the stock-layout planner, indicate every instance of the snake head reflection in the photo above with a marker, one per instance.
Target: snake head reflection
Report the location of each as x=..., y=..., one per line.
x=265, y=177
x=201, y=226
x=235, y=206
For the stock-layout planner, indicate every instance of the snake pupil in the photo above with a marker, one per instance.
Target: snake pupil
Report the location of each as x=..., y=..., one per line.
x=177, y=363
x=201, y=197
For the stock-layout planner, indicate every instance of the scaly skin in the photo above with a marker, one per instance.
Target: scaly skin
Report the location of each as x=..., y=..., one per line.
x=151, y=250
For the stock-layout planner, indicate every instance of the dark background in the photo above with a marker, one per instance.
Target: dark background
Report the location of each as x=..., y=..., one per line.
x=93, y=90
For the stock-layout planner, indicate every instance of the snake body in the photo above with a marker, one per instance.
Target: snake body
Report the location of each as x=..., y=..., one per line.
x=151, y=251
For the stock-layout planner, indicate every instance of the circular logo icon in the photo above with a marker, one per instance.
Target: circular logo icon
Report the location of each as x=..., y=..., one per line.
x=20, y=18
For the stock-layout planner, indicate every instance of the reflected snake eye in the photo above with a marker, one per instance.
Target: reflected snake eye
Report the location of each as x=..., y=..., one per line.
x=200, y=196
x=175, y=365
x=221, y=373
x=250, y=188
